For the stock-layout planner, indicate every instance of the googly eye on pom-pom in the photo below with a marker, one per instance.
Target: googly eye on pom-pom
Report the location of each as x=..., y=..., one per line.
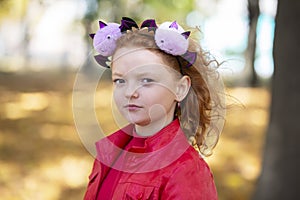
x=171, y=38
x=104, y=41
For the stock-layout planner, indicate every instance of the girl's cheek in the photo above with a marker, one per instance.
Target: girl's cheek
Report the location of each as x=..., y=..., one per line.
x=116, y=96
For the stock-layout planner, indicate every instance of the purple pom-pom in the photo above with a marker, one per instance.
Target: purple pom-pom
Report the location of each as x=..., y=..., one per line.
x=105, y=39
x=170, y=39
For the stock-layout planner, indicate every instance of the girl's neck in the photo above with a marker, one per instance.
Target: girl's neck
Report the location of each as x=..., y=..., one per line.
x=152, y=128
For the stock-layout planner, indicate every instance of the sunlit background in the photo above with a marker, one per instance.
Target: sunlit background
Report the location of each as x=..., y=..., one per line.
x=44, y=42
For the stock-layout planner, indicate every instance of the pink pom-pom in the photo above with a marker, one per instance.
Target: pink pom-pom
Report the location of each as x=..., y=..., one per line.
x=105, y=39
x=169, y=38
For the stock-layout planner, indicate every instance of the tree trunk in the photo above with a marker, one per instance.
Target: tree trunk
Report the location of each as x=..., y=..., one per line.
x=253, y=12
x=280, y=178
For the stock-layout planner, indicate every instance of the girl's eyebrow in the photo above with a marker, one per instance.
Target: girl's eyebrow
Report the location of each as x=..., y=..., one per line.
x=144, y=73
x=147, y=74
x=117, y=74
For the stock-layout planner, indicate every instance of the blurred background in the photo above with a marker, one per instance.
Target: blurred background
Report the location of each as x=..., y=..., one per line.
x=43, y=43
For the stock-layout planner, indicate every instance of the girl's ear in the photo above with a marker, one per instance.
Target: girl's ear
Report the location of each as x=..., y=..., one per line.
x=183, y=87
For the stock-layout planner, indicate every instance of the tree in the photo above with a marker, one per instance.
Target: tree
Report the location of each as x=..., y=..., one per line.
x=280, y=178
x=253, y=14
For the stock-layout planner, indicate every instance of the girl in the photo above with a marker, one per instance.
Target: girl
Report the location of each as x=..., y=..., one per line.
x=166, y=89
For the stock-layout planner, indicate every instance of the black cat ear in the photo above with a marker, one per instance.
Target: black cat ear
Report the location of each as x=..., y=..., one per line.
x=101, y=60
x=102, y=24
x=127, y=24
x=150, y=23
x=186, y=34
x=190, y=57
x=92, y=35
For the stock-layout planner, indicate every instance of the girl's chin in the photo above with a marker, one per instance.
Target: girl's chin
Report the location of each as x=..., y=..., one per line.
x=143, y=120
x=138, y=121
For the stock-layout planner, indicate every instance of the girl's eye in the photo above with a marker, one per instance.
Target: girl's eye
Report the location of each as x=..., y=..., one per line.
x=147, y=80
x=118, y=81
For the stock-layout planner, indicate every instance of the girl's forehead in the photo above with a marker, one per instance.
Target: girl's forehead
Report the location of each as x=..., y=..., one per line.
x=139, y=60
x=144, y=69
x=135, y=54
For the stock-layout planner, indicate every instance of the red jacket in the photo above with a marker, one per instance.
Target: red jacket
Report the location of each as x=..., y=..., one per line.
x=166, y=167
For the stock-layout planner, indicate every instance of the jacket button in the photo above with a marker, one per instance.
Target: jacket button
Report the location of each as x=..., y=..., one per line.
x=139, y=195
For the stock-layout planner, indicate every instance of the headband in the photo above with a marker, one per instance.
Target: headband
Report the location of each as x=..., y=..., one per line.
x=169, y=37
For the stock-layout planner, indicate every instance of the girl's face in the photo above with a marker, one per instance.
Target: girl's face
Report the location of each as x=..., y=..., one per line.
x=144, y=87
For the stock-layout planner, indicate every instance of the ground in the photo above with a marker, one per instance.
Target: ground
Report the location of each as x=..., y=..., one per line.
x=43, y=157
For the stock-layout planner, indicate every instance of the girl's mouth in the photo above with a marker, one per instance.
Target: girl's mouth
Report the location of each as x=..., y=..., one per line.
x=132, y=107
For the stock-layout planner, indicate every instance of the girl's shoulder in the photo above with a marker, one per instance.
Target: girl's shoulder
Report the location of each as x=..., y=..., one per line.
x=192, y=159
x=190, y=178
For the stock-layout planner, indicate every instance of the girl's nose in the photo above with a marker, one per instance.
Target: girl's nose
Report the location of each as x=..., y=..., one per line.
x=131, y=92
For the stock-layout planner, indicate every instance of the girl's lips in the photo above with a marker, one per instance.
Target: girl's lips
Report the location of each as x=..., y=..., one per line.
x=132, y=107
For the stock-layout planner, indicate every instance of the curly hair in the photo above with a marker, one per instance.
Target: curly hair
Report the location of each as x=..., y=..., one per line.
x=205, y=137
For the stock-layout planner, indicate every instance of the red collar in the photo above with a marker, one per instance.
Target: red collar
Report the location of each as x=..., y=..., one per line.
x=161, y=138
x=159, y=150
x=121, y=137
